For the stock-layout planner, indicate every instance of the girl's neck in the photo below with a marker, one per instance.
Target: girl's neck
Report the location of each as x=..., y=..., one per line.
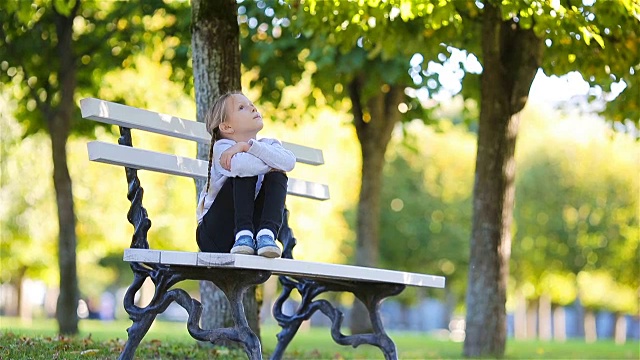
x=242, y=137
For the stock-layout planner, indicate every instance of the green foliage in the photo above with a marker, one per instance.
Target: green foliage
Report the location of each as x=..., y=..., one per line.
x=28, y=219
x=25, y=237
x=427, y=205
x=342, y=39
x=576, y=213
x=106, y=36
x=600, y=39
x=338, y=42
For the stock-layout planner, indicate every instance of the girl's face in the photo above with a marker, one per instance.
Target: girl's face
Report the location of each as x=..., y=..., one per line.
x=242, y=117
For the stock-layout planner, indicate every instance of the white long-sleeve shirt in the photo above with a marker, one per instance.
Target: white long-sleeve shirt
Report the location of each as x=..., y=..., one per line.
x=263, y=155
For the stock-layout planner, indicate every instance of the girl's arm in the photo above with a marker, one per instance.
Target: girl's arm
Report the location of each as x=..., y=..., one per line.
x=227, y=155
x=271, y=152
x=243, y=164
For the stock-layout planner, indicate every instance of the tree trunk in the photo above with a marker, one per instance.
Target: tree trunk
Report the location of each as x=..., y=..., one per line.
x=544, y=317
x=59, y=122
x=532, y=319
x=24, y=303
x=590, y=334
x=520, y=317
x=374, y=125
x=14, y=308
x=559, y=324
x=511, y=57
x=620, y=332
x=216, y=69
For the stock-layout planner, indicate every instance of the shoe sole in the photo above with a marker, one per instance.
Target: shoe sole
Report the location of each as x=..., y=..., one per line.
x=270, y=252
x=243, y=250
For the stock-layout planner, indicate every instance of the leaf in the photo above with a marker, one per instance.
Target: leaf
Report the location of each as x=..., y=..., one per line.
x=64, y=7
x=90, y=352
x=598, y=39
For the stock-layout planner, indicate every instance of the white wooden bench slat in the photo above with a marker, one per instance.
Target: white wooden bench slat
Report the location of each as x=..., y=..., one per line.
x=184, y=166
x=281, y=266
x=134, y=118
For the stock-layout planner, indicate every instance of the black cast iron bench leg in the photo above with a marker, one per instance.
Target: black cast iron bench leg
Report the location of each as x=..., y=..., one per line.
x=232, y=282
x=141, y=320
x=371, y=294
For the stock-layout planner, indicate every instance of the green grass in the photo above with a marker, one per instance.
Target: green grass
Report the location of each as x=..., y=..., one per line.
x=170, y=340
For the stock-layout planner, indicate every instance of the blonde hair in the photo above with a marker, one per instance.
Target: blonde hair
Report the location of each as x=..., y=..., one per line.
x=216, y=115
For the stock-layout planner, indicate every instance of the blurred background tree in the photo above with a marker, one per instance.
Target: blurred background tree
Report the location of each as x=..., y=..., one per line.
x=52, y=52
x=576, y=216
x=426, y=208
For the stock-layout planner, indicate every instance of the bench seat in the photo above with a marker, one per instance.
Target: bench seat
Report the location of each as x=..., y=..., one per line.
x=282, y=266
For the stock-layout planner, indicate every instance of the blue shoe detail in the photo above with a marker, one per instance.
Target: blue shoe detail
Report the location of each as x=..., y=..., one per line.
x=244, y=245
x=267, y=247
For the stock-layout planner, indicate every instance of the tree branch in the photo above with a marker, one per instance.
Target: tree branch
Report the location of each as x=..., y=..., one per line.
x=3, y=35
x=356, y=102
x=75, y=8
x=465, y=14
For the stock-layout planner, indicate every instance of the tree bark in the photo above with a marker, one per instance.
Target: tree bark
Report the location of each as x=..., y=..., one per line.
x=374, y=120
x=59, y=123
x=216, y=69
x=511, y=57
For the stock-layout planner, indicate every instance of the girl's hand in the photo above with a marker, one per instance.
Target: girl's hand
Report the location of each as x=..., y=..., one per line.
x=225, y=158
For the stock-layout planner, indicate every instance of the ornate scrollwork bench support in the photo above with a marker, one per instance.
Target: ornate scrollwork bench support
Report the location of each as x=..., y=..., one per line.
x=233, y=282
x=371, y=294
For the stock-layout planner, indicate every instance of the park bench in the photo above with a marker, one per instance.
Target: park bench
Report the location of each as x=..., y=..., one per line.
x=233, y=274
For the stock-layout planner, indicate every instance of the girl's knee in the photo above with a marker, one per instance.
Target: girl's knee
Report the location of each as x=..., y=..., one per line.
x=244, y=178
x=248, y=182
x=276, y=176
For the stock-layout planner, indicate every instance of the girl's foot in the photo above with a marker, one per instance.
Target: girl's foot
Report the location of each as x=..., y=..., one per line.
x=267, y=247
x=244, y=245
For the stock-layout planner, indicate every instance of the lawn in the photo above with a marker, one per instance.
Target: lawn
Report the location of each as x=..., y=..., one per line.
x=170, y=340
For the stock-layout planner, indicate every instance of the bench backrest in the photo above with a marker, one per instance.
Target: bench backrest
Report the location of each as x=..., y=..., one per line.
x=134, y=159
x=134, y=118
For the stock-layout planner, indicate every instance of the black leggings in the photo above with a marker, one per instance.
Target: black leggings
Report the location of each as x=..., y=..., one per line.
x=235, y=209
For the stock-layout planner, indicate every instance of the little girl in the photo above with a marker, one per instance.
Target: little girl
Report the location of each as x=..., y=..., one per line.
x=246, y=185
